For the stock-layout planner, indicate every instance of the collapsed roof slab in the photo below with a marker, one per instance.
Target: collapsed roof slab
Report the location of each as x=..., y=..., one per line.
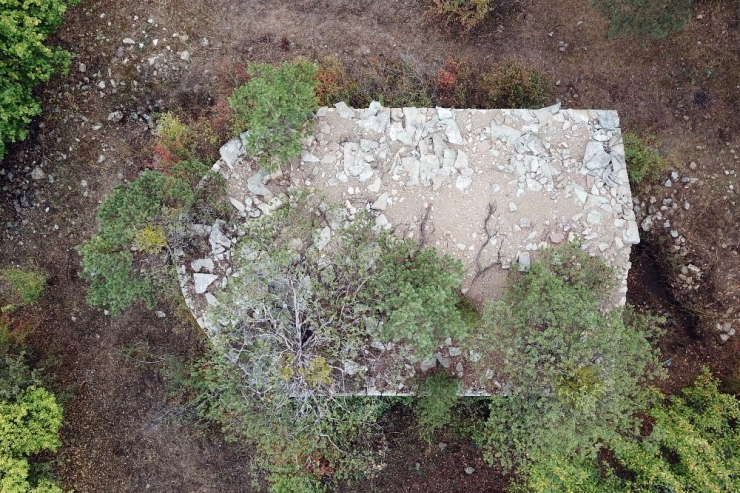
x=490, y=187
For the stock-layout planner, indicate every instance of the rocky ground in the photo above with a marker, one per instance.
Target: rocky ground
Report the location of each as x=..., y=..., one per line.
x=135, y=59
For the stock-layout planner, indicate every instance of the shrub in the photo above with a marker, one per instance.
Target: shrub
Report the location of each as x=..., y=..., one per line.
x=30, y=418
x=645, y=18
x=452, y=81
x=299, y=315
x=151, y=239
x=28, y=284
x=333, y=82
x=25, y=61
x=512, y=85
x=275, y=107
x=692, y=446
x=644, y=162
x=126, y=218
x=417, y=293
x=463, y=14
x=434, y=403
x=298, y=452
x=576, y=375
x=395, y=84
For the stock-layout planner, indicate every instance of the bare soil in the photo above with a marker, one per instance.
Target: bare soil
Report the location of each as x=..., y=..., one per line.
x=120, y=433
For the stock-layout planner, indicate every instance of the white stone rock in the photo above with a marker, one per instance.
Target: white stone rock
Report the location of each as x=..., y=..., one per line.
x=381, y=203
x=323, y=238
x=237, y=204
x=231, y=151
x=344, y=110
x=203, y=264
x=202, y=281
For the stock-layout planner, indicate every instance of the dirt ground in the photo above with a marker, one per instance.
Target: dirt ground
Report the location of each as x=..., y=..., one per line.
x=120, y=432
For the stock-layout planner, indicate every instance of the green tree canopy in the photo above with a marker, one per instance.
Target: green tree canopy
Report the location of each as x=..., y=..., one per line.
x=25, y=61
x=576, y=373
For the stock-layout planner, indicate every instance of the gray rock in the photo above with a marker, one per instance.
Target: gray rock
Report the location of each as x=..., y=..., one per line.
x=231, y=151
x=557, y=237
x=37, y=173
x=255, y=185
x=455, y=351
x=469, y=470
x=116, y=116
x=202, y=281
x=445, y=362
x=463, y=182
x=323, y=238
x=203, y=264
x=631, y=235
x=185, y=55
x=381, y=203
x=428, y=364
x=344, y=110
x=351, y=368
x=128, y=41
x=524, y=261
x=647, y=224
x=237, y=204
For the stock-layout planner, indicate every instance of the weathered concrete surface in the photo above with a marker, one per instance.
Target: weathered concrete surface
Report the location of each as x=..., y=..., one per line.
x=491, y=187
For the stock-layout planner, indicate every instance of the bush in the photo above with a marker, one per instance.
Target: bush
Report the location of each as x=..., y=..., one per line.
x=644, y=162
x=576, y=375
x=434, y=403
x=417, y=293
x=275, y=107
x=128, y=217
x=297, y=451
x=692, y=446
x=30, y=418
x=645, y=18
x=334, y=83
x=459, y=14
x=28, y=284
x=512, y=85
x=452, y=85
x=25, y=61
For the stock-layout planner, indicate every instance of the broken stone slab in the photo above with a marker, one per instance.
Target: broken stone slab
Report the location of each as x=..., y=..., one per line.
x=504, y=133
x=218, y=240
x=323, y=238
x=595, y=157
x=256, y=184
x=203, y=264
x=344, y=110
x=238, y=205
x=444, y=361
x=524, y=261
x=428, y=364
x=608, y=120
x=631, y=235
x=381, y=203
x=202, y=281
x=231, y=151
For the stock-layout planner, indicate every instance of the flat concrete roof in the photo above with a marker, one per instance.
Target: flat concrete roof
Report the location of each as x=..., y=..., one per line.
x=490, y=187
